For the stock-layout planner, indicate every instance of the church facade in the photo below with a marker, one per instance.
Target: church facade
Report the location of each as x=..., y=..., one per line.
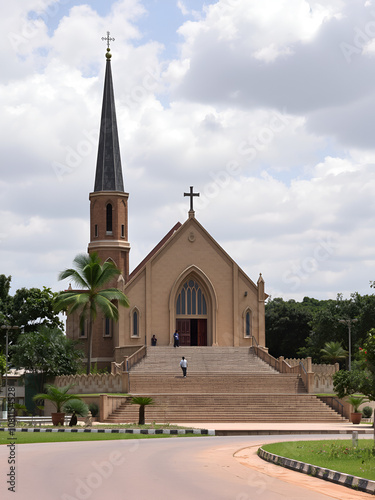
x=186, y=283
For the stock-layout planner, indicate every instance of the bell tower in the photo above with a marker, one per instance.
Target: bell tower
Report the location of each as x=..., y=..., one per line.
x=108, y=201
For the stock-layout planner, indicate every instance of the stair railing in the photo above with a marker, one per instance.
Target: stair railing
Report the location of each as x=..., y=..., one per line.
x=334, y=403
x=136, y=357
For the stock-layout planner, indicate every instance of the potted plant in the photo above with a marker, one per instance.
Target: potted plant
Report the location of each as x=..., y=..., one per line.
x=356, y=401
x=58, y=397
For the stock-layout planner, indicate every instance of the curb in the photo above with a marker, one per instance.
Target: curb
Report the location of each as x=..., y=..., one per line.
x=203, y=432
x=282, y=432
x=354, y=482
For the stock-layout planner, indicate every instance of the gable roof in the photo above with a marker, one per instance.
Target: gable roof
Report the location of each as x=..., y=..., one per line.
x=161, y=243
x=168, y=239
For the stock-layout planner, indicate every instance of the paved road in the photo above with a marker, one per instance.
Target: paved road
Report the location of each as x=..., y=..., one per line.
x=155, y=469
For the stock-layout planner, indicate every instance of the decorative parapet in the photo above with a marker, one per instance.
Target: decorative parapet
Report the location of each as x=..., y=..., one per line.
x=316, y=368
x=94, y=384
x=323, y=373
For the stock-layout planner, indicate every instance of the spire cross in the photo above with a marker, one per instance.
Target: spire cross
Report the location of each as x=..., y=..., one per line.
x=108, y=39
x=191, y=195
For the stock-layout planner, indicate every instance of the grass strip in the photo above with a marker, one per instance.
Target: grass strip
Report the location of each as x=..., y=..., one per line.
x=61, y=437
x=338, y=455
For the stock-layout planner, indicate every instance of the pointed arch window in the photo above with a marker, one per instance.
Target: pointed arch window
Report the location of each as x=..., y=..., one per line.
x=191, y=299
x=134, y=322
x=108, y=324
x=247, y=317
x=109, y=218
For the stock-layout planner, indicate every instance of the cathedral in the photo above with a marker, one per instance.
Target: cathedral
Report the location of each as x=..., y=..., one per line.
x=186, y=283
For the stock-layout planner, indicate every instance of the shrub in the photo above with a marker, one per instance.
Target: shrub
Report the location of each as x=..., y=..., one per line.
x=94, y=408
x=367, y=412
x=77, y=406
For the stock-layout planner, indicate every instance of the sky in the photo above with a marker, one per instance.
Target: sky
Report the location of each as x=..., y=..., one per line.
x=266, y=108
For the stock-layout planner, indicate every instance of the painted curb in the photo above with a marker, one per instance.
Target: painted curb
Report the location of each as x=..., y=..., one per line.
x=203, y=432
x=354, y=482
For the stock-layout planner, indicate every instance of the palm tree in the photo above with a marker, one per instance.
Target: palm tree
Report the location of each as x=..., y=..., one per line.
x=57, y=396
x=333, y=352
x=92, y=276
x=142, y=401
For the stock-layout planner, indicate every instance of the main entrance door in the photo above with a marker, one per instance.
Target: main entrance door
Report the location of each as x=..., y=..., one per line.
x=193, y=332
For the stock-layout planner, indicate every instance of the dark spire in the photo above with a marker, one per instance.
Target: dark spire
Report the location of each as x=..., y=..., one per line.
x=108, y=167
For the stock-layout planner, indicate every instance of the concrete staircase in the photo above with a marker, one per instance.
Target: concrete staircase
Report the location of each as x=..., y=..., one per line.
x=202, y=360
x=223, y=385
x=229, y=408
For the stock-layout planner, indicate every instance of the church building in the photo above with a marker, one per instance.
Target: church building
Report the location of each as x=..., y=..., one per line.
x=186, y=283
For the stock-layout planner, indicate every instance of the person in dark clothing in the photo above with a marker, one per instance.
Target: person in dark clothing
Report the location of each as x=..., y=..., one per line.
x=73, y=420
x=153, y=340
x=176, y=339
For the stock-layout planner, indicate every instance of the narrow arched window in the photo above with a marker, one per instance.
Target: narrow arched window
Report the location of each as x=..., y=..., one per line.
x=109, y=218
x=107, y=327
x=247, y=324
x=135, y=324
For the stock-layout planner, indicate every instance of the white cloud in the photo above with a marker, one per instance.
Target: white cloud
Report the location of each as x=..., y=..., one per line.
x=260, y=111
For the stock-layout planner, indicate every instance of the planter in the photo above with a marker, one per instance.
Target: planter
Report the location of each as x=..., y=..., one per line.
x=58, y=418
x=355, y=418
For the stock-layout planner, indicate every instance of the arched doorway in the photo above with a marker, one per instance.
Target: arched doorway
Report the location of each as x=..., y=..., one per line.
x=192, y=313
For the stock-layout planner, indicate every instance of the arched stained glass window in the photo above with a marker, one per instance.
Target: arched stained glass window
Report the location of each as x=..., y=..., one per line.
x=191, y=299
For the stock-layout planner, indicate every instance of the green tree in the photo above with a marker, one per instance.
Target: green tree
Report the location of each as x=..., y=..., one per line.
x=333, y=352
x=46, y=352
x=91, y=276
x=287, y=326
x=5, y=298
x=2, y=365
x=346, y=383
x=32, y=307
x=28, y=309
x=325, y=325
x=142, y=401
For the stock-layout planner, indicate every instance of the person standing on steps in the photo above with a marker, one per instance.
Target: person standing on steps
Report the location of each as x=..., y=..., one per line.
x=176, y=339
x=184, y=364
x=153, y=340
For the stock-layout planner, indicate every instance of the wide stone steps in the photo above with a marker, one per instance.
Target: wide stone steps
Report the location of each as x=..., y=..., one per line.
x=229, y=408
x=224, y=384
x=201, y=360
x=211, y=383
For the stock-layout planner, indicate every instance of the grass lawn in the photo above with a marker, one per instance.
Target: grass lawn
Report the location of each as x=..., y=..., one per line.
x=60, y=437
x=338, y=455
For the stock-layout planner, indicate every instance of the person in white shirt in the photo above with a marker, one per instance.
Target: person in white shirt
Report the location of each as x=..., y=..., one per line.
x=183, y=364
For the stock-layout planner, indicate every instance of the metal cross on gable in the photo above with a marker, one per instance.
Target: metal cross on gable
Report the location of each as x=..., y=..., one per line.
x=108, y=39
x=191, y=195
